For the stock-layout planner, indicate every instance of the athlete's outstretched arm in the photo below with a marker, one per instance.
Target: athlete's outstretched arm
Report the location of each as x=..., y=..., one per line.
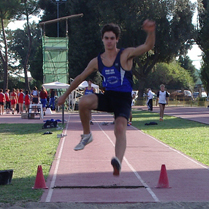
x=91, y=67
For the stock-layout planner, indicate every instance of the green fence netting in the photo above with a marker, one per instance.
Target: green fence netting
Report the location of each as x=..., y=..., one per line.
x=55, y=59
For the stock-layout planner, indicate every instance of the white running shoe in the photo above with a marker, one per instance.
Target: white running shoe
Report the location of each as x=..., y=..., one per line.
x=85, y=139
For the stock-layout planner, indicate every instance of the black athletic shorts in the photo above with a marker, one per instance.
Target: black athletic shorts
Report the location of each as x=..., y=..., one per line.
x=117, y=102
x=35, y=100
x=8, y=105
x=163, y=104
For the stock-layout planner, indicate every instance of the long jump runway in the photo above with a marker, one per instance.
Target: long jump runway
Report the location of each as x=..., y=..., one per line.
x=86, y=175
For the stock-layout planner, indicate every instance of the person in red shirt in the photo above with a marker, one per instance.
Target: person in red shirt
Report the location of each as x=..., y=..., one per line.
x=17, y=104
x=2, y=101
x=27, y=101
x=8, y=102
x=13, y=96
x=20, y=100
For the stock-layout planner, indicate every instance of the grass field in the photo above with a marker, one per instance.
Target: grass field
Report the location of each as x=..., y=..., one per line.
x=24, y=147
x=189, y=137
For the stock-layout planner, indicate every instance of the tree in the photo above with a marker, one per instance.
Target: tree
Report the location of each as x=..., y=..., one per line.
x=20, y=46
x=203, y=41
x=172, y=75
x=186, y=63
x=29, y=7
x=174, y=32
x=8, y=10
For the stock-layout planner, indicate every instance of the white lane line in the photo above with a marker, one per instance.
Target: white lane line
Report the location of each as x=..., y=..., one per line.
x=177, y=151
x=50, y=191
x=134, y=171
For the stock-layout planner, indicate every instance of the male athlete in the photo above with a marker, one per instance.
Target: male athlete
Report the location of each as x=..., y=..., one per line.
x=115, y=67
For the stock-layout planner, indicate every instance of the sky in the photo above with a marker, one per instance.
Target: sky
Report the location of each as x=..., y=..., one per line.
x=194, y=53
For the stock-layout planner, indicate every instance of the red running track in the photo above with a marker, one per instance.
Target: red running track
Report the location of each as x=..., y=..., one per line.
x=86, y=176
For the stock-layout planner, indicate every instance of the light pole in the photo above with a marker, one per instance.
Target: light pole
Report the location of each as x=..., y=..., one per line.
x=58, y=14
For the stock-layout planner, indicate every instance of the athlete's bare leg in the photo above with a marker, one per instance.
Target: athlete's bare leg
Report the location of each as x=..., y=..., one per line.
x=162, y=107
x=120, y=134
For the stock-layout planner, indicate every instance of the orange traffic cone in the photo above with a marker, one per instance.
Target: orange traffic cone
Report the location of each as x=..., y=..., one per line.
x=163, y=179
x=40, y=181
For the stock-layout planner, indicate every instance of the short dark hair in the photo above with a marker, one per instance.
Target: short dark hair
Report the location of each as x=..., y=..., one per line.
x=111, y=27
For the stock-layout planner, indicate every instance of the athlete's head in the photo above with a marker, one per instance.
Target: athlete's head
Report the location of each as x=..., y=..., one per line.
x=111, y=27
x=162, y=87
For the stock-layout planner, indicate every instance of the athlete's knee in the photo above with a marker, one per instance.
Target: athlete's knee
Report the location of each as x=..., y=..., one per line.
x=87, y=102
x=120, y=126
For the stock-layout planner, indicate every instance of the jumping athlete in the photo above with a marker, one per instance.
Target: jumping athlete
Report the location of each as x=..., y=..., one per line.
x=115, y=67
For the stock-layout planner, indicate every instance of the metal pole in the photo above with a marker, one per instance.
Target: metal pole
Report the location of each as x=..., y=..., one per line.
x=58, y=34
x=57, y=18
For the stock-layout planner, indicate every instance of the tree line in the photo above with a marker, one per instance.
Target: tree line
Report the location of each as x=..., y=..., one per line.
x=167, y=63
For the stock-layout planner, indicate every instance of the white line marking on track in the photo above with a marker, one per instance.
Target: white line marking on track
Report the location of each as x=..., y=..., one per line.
x=134, y=171
x=50, y=191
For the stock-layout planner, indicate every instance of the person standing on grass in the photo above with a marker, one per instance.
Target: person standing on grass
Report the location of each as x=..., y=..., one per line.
x=27, y=101
x=149, y=99
x=35, y=97
x=13, y=96
x=20, y=100
x=162, y=96
x=17, y=104
x=115, y=67
x=52, y=99
x=132, y=104
x=89, y=90
x=8, y=101
x=43, y=97
x=2, y=101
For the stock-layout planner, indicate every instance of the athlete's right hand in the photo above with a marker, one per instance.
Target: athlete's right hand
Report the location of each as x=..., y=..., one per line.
x=148, y=26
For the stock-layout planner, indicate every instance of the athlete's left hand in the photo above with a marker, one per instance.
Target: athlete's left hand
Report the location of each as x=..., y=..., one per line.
x=148, y=26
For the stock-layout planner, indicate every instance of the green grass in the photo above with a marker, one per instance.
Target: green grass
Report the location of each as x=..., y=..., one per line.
x=189, y=137
x=24, y=147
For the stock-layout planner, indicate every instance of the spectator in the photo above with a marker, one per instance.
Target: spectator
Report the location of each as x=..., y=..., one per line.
x=149, y=99
x=2, y=101
x=43, y=97
x=162, y=96
x=52, y=99
x=20, y=100
x=27, y=101
x=132, y=104
x=13, y=96
x=17, y=104
x=8, y=101
x=35, y=95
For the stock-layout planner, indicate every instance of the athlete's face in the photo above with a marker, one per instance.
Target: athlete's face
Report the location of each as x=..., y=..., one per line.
x=162, y=88
x=109, y=40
